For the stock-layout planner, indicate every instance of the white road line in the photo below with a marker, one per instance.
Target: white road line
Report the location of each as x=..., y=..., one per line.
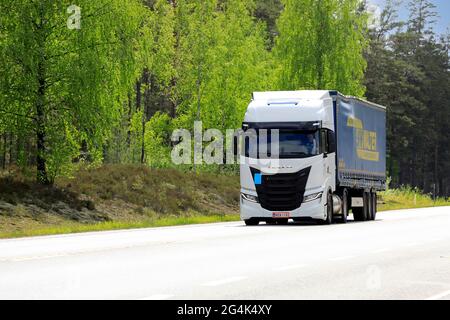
x=437, y=239
x=342, y=258
x=81, y=252
x=36, y=258
x=412, y=244
x=158, y=297
x=439, y=296
x=381, y=251
x=223, y=281
x=286, y=268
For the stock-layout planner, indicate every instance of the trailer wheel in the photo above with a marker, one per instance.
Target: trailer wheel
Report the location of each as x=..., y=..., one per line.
x=370, y=206
x=362, y=214
x=358, y=214
x=344, y=208
x=373, y=202
x=367, y=199
x=252, y=222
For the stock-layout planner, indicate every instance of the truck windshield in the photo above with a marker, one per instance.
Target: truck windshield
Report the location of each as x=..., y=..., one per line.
x=292, y=144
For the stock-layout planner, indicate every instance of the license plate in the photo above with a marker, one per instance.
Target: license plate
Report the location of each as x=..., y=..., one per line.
x=281, y=215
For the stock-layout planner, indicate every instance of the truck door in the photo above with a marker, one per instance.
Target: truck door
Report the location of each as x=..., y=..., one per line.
x=329, y=152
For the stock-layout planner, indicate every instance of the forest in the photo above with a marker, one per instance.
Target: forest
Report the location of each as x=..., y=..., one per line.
x=86, y=83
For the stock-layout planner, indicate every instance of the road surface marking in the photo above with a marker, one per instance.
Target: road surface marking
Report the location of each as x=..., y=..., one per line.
x=439, y=296
x=286, y=268
x=437, y=239
x=83, y=252
x=342, y=258
x=30, y=258
x=223, y=281
x=381, y=251
x=158, y=297
x=412, y=244
x=430, y=283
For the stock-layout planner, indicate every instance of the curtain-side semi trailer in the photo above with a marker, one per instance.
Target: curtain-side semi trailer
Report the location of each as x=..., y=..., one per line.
x=331, y=157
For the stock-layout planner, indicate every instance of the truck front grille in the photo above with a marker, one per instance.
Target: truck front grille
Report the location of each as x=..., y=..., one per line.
x=282, y=192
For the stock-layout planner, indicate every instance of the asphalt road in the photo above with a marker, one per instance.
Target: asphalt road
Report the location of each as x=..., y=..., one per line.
x=402, y=255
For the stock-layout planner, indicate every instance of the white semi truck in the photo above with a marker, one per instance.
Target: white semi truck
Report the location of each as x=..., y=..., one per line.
x=330, y=157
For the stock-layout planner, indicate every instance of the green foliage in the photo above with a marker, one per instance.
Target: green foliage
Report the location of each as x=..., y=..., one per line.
x=320, y=45
x=408, y=198
x=222, y=60
x=157, y=140
x=269, y=11
x=163, y=48
x=408, y=70
x=67, y=85
x=113, y=90
x=135, y=131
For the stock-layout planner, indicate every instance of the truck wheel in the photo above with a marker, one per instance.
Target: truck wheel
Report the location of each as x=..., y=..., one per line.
x=344, y=208
x=360, y=213
x=370, y=206
x=329, y=219
x=374, y=206
x=367, y=206
x=251, y=222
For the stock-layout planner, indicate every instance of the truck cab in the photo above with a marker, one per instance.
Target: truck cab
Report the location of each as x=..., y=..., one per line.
x=289, y=162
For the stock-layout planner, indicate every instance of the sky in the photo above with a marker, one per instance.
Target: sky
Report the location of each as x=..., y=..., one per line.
x=442, y=8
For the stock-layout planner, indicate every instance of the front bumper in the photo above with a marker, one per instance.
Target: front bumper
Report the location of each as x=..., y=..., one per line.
x=314, y=210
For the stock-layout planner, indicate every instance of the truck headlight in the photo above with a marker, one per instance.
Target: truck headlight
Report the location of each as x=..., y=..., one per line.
x=312, y=197
x=250, y=198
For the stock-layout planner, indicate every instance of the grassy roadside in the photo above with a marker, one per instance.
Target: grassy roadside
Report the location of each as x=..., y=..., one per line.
x=408, y=198
x=130, y=197
x=69, y=228
x=115, y=197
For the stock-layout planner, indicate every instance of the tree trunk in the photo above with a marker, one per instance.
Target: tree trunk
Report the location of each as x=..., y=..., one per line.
x=413, y=167
x=41, y=162
x=4, y=152
x=436, y=167
x=11, y=147
x=145, y=109
x=130, y=113
x=143, y=134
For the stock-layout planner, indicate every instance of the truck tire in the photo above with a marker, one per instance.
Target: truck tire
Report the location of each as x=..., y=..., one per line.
x=252, y=222
x=345, y=206
x=374, y=200
x=358, y=214
x=329, y=219
x=370, y=207
x=362, y=214
x=367, y=199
